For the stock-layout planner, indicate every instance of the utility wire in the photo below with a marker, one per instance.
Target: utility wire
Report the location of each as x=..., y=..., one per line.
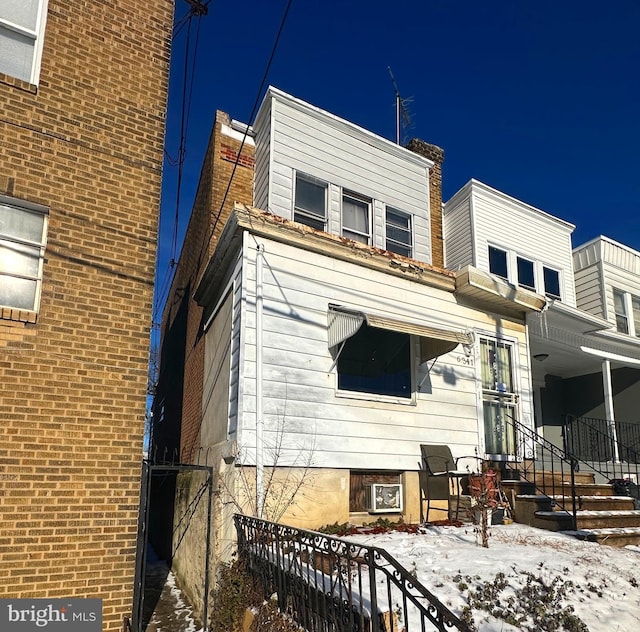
x=188, y=79
x=250, y=123
x=237, y=160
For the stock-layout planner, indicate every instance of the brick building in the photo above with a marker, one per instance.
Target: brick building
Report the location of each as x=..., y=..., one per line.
x=178, y=403
x=83, y=90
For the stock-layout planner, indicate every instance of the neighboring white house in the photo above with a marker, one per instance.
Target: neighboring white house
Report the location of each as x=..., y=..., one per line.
x=585, y=349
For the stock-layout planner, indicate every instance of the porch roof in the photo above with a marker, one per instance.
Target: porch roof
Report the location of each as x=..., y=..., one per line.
x=567, y=342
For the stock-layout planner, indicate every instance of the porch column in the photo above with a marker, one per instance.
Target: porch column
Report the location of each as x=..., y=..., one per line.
x=608, y=407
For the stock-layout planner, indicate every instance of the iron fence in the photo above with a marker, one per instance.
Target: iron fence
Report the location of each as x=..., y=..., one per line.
x=613, y=455
x=547, y=468
x=330, y=584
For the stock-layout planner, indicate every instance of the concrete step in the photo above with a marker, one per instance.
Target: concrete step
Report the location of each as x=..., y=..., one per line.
x=588, y=520
x=549, y=478
x=582, y=489
x=611, y=536
x=605, y=503
x=583, y=503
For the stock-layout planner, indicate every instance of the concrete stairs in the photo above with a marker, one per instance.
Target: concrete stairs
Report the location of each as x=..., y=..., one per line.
x=601, y=516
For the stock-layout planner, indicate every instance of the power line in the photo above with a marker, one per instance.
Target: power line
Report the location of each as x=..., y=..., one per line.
x=244, y=138
x=250, y=123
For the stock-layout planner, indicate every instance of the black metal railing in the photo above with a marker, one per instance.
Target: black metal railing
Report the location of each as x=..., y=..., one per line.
x=612, y=452
x=330, y=584
x=547, y=468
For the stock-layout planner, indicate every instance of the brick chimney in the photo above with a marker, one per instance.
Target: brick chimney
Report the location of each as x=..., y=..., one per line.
x=435, y=154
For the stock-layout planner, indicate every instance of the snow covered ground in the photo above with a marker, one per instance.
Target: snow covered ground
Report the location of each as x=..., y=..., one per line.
x=600, y=583
x=165, y=608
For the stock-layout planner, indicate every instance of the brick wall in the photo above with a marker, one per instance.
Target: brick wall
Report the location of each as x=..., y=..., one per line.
x=436, y=154
x=87, y=143
x=205, y=226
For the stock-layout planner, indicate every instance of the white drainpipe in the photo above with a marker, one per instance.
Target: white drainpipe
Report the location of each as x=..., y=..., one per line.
x=259, y=417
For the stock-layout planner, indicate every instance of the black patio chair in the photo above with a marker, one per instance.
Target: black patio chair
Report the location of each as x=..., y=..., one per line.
x=439, y=474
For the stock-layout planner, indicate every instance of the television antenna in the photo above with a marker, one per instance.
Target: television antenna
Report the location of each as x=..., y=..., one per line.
x=403, y=118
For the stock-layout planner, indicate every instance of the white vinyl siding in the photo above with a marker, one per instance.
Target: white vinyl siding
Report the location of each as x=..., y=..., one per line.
x=604, y=266
x=345, y=157
x=262, y=128
x=300, y=390
x=215, y=389
x=522, y=231
x=22, y=24
x=588, y=283
x=458, y=233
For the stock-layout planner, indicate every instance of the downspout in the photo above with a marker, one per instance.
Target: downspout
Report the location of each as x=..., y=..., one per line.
x=608, y=407
x=259, y=417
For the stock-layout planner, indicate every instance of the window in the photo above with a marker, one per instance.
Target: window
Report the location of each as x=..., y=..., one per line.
x=498, y=396
x=620, y=310
x=376, y=361
x=635, y=309
x=21, y=35
x=23, y=229
x=311, y=202
x=498, y=262
x=398, y=232
x=551, y=282
x=355, y=217
x=526, y=277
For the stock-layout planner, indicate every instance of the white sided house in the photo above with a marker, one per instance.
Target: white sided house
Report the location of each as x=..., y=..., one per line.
x=585, y=344
x=335, y=347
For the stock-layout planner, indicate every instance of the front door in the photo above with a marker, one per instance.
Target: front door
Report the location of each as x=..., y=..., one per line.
x=498, y=397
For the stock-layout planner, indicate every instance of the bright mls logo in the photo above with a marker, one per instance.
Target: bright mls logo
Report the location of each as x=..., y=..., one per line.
x=31, y=615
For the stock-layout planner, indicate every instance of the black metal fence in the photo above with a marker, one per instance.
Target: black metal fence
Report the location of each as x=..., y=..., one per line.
x=546, y=467
x=330, y=584
x=592, y=439
x=615, y=456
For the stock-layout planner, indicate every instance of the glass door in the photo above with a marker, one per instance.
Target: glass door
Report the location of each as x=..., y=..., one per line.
x=498, y=397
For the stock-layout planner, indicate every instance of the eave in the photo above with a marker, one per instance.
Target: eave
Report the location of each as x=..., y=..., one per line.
x=495, y=295
x=278, y=229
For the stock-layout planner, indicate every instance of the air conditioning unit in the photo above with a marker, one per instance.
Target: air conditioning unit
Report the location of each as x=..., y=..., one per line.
x=385, y=498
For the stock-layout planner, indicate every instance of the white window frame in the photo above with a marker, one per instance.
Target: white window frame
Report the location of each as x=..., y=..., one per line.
x=409, y=230
x=506, y=255
x=352, y=233
x=544, y=284
x=28, y=207
x=630, y=312
x=299, y=212
x=36, y=35
x=533, y=268
x=378, y=397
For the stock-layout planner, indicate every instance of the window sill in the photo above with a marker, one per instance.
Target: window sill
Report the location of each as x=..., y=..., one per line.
x=18, y=315
x=18, y=83
x=372, y=397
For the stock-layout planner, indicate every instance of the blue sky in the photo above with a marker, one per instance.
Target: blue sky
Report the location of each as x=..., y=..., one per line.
x=540, y=99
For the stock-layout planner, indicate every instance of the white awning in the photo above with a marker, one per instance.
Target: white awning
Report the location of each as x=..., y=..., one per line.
x=434, y=341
